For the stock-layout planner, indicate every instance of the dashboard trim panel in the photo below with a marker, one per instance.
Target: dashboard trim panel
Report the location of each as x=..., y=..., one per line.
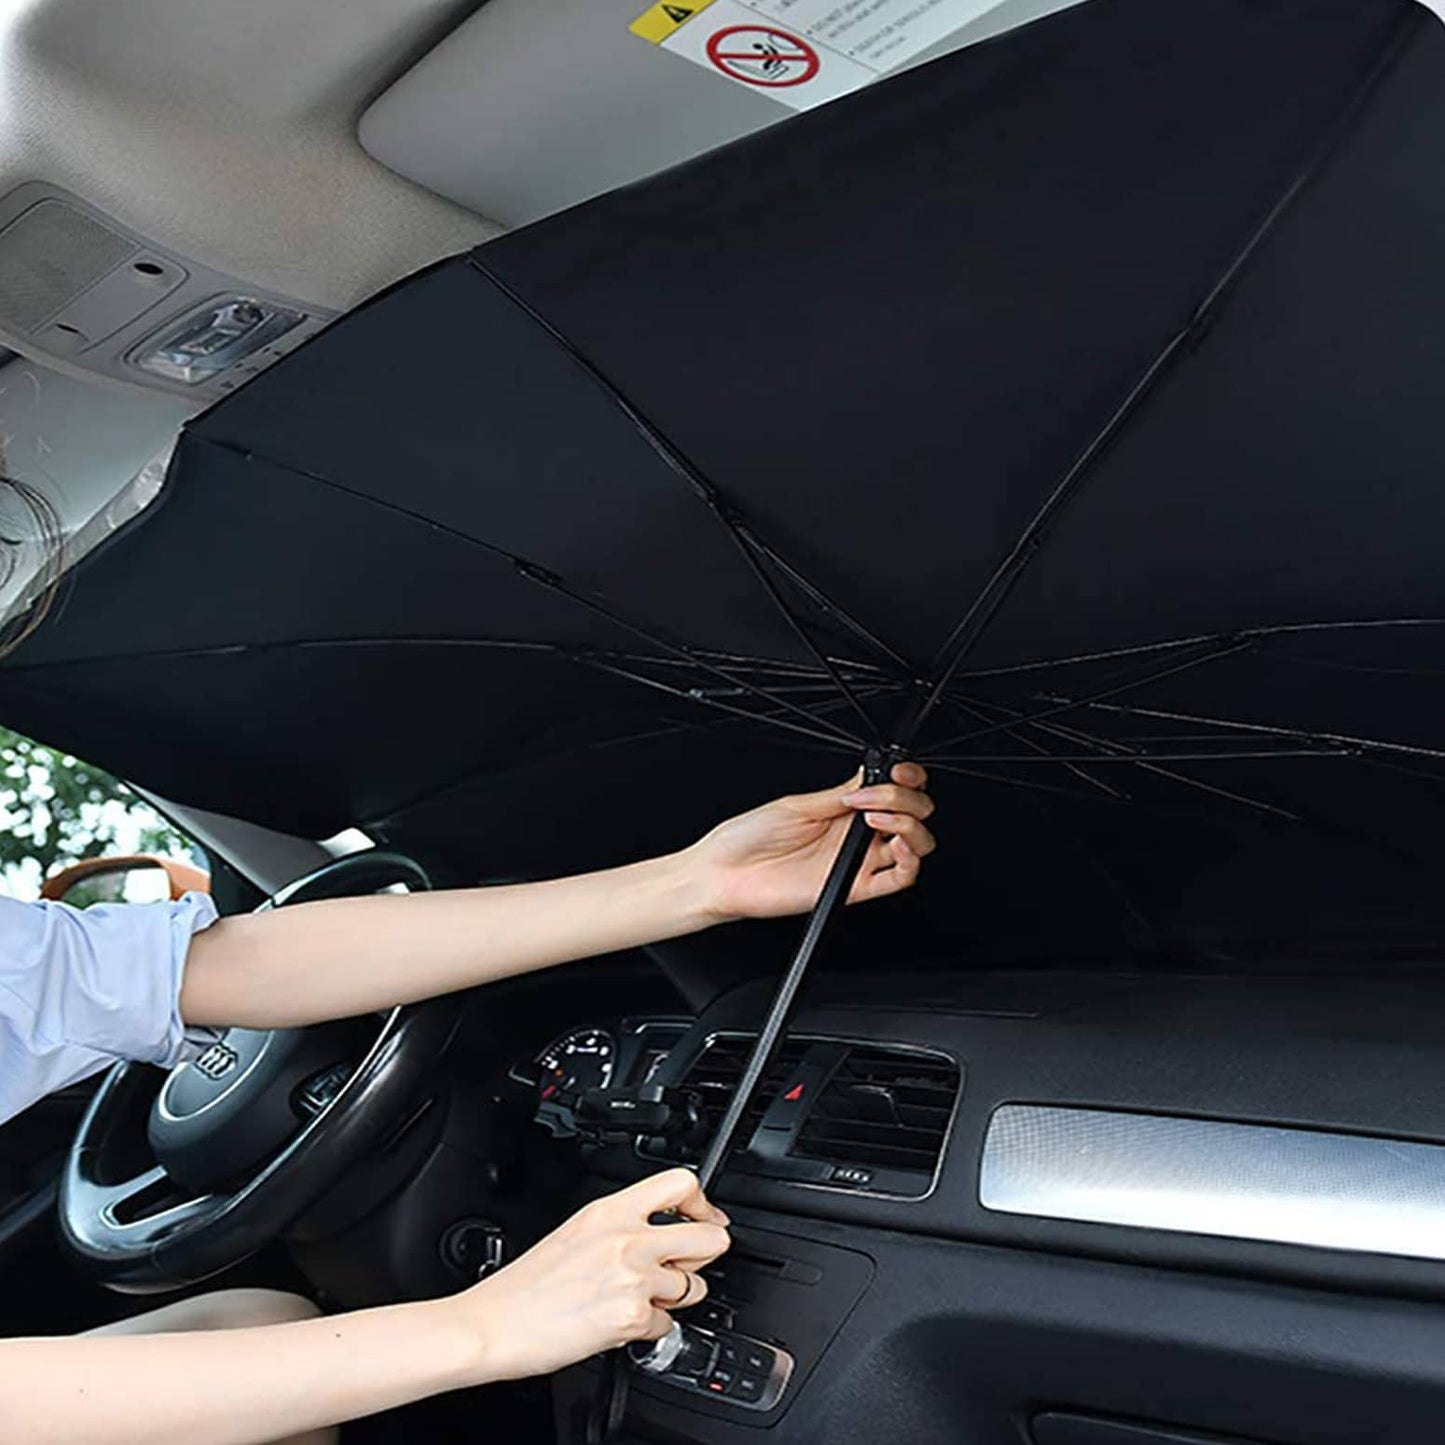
x=1279, y=1184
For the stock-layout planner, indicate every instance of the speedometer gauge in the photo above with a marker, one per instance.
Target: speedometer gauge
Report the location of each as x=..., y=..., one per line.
x=578, y=1061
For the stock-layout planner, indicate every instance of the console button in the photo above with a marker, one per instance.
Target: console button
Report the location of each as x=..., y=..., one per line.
x=728, y=1354
x=759, y=1360
x=721, y=1380
x=712, y=1314
x=749, y=1388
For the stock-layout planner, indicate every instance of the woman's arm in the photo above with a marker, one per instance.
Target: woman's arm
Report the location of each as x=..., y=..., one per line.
x=346, y=956
x=602, y=1279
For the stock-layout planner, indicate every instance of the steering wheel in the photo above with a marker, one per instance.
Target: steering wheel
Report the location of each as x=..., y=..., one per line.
x=163, y=1190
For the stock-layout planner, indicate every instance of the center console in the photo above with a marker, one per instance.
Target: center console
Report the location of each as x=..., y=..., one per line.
x=774, y=1304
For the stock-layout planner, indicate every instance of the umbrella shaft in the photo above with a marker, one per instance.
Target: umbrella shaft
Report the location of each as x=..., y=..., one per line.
x=877, y=768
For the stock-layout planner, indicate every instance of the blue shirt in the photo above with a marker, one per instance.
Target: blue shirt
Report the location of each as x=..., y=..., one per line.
x=79, y=990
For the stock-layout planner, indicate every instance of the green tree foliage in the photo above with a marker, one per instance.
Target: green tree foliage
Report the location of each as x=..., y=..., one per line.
x=56, y=810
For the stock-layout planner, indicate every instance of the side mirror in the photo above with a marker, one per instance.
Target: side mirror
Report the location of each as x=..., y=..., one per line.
x=134, y=879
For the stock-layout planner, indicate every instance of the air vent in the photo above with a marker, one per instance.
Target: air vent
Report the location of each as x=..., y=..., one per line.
x=714, y=1076
x=882, y=1108
x=718, y=1068
x=876, y=1123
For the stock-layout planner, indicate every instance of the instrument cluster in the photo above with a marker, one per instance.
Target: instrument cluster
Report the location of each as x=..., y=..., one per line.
x=597, y=1056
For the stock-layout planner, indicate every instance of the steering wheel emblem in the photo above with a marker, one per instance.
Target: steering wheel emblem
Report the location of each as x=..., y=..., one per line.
x=217, y=1061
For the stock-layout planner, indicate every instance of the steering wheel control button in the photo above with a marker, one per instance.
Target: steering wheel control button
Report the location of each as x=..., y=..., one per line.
x=318, y=1092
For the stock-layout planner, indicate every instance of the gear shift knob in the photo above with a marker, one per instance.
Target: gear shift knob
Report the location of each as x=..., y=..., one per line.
x=681, y=1351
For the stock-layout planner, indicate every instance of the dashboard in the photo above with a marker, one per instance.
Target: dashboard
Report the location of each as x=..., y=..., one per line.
x=1051, y=1208
x=1007, y=1156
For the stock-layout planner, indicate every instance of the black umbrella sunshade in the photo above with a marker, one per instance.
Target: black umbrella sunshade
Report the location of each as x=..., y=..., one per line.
x=1064, y=413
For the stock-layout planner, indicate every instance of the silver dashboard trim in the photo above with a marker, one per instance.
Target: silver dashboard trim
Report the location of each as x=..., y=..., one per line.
x=1264, y=1182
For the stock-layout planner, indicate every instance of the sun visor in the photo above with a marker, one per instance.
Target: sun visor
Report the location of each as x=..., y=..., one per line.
x=526, y=109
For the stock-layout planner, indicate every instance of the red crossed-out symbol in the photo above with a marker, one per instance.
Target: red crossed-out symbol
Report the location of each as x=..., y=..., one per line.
x=760, y=55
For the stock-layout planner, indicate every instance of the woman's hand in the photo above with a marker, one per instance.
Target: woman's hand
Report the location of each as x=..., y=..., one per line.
x=605, y=1278
x=773, y=860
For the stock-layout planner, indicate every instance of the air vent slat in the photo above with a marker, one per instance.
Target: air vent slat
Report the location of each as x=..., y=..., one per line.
x=884, y=1109
x=715, y=1073
x=881, y=1108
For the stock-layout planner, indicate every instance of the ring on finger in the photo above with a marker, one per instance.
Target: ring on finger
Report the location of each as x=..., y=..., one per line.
x=690, y=1283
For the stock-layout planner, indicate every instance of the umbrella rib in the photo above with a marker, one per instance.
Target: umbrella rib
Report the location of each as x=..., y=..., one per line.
x=1223, y=648
x=1344, y=740
x=822, y=601
x=965, y=636
x=975, y=707
x=839, y=741
x=550, y=580
x=227, y=649
x=711, y=728
x=796, y=624
x=1258, y=634
x=1228, y=793
x=501, y=644
x=1141, y=919
x=1028, y=784
x=1097, y=759
x=1119, y=750
x=728, y=514
x=532, y=571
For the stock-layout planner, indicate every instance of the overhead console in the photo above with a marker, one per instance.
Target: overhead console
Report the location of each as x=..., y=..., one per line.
x=77, y=286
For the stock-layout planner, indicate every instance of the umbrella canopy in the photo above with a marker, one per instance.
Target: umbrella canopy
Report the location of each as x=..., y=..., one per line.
x=1067, y=410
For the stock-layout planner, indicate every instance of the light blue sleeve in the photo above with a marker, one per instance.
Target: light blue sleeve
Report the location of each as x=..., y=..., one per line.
x=81, y=989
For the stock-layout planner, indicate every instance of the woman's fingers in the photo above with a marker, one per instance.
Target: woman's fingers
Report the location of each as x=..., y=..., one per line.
x=674, y=1190
x=660, y=1324
x=910, y=829
x=891, y=867
x=903, y=794
x=911, y=775
x=675, y=1289
x=686, y=1244
x=890, y=798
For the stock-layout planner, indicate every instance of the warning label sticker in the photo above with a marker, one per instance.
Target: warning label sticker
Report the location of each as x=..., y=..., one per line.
x=659, y=22
x=804, y=52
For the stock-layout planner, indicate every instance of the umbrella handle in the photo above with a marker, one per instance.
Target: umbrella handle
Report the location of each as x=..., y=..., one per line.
x=604, y=1417
x=878, y=765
